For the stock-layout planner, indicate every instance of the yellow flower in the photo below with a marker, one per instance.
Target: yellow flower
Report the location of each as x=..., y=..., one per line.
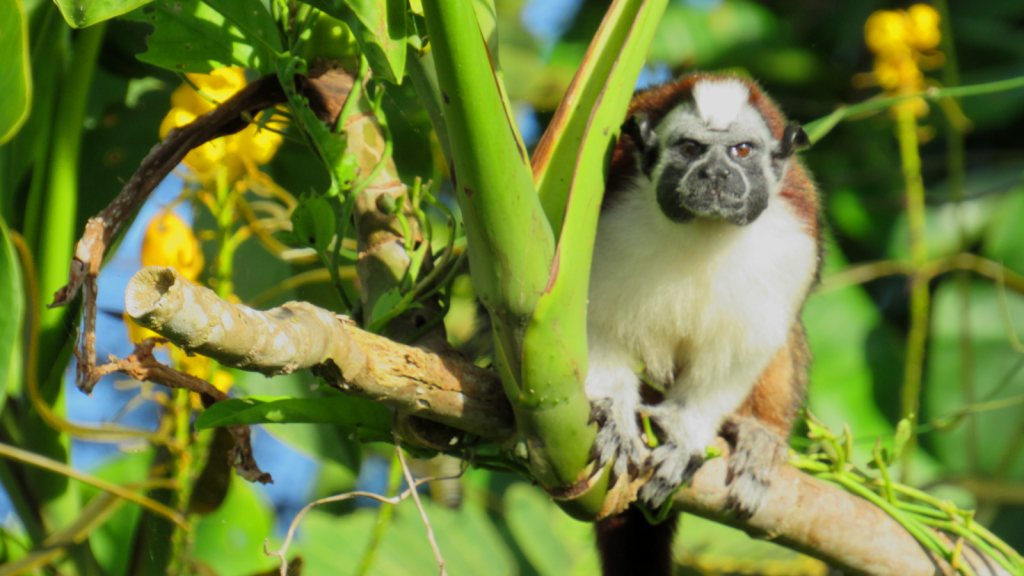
x=251, y=146
x=898, y=38
x=137, y=333
x=169, y=241
x=885, y=31
x=196, y=365
x=923, y=26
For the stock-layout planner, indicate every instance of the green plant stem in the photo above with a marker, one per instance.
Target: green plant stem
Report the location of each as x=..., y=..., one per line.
x=817, y=129
x=384, y=515
x=225, y=246
x=34, y=459
x=919, y=295
x=49, y=52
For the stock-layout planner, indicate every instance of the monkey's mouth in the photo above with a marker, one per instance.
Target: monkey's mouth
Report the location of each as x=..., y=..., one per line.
x=682, y=204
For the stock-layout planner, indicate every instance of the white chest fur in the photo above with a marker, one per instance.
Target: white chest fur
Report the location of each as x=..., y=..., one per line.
x=703, y=305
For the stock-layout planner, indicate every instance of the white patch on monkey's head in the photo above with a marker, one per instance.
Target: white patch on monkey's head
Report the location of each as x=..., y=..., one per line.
x=719, y=102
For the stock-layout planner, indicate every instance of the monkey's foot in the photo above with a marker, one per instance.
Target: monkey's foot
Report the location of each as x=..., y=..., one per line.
x=757, y=451
x=675, y=460
x=618, y=440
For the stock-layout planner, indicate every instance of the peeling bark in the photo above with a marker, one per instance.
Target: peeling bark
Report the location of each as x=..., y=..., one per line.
x=444, y=388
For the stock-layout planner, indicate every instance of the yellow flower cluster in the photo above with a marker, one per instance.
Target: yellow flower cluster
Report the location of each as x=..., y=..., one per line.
x=252, y=146
x=900, y=40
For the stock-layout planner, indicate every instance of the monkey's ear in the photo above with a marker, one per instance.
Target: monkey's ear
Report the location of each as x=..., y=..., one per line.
x=638, y=128
x=793, y=138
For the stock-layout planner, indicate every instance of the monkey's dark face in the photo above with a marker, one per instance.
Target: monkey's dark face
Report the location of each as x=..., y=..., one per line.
x=705, y=167
x=717, y=176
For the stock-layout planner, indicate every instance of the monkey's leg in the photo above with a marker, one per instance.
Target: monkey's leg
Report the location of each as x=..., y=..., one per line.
x=759, y=430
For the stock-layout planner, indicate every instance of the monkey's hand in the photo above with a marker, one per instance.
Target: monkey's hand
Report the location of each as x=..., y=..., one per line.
x=618, y=440
x=757, y=451
x=681, y=453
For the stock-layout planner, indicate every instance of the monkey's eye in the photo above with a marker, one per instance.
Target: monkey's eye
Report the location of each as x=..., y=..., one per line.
x=691, y=148
x=741, y=150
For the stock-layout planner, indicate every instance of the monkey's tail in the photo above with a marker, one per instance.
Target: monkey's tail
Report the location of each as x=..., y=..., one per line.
x=630, y=546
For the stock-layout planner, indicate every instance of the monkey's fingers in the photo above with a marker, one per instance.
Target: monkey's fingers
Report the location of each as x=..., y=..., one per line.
x=757, y=452
x=618, y=440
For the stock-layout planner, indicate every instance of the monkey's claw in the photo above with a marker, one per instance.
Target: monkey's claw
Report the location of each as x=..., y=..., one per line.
x=675, y=461
x=756, y=455
x=618, y=439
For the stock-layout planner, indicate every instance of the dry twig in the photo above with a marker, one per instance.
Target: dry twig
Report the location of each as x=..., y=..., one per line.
x=411, y=490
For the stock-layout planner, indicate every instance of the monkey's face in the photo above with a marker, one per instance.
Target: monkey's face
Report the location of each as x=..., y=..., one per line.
x=714, y=158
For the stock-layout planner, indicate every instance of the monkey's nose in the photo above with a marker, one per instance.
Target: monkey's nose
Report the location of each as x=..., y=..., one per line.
x=714, y=172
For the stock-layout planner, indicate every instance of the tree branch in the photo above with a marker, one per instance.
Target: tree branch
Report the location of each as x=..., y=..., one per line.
x=802, y=512
x=440, y=387
x=824, y=521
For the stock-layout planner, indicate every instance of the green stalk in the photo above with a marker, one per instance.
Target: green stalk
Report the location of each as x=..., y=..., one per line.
x=817, y=129
x=919, y=295
x=225, y=219
x=59, y=230
x=48, y=58
x=555, y=345
x=511, y=243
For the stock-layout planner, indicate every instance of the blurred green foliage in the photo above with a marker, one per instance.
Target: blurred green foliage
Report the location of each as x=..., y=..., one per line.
x=805, y=54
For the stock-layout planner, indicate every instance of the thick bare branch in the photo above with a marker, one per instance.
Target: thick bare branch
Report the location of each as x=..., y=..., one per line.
x=298, y=335
x=824, y=521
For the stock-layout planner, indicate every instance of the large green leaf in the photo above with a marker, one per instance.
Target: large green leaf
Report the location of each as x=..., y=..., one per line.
x=230, y=540
x=322, y=442
x=194, y=36
x=379, y=26
x=12, y=312
x=697, y=35
x=109, y=541
x=996, y=375
x=344, y=411
x=555, y=544
x=14, y=69
x=82, y=13
x=713, y=548
x=466, y=537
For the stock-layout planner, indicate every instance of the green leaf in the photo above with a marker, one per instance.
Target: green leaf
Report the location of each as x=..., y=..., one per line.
x=230, y=540
x=716, y=548
x=15, y=74
x=313, y=223
x=379, y=27
x=386, y=303
x=996, y=375
x=108, y=541
x=194, y=36
x=555, y=544
x=331, y=147
x=12, y=312
x=344, y=411
x=82, y=13
x=466, y=537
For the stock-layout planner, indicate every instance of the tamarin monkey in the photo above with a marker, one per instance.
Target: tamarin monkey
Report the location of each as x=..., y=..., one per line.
x=707, y=245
